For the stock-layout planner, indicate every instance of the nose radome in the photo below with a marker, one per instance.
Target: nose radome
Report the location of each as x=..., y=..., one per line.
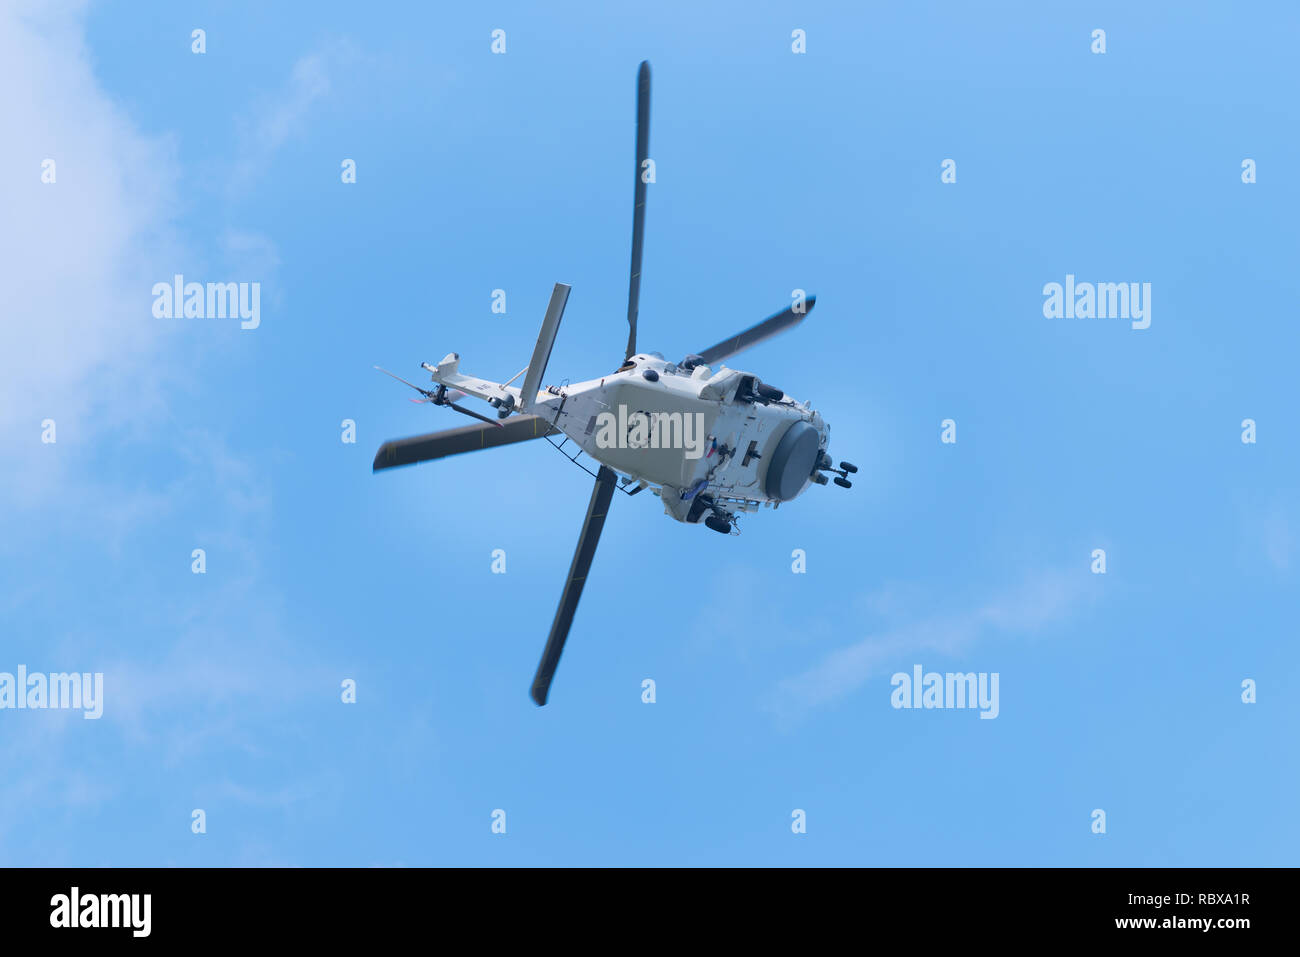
x=792, y=461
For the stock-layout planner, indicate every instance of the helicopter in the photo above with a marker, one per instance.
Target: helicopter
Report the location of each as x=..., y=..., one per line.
x=711, y=442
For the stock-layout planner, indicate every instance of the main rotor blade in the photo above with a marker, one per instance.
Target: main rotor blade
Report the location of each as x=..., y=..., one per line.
x=582, y=556
x=769, y=327
x=468, y=438
x=638, y=208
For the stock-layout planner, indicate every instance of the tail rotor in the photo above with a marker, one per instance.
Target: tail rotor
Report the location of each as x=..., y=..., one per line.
x=441, y=396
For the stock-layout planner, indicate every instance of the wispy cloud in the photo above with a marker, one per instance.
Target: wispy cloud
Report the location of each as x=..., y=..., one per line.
x=284, y=114
x=1041, y=599
x=308, y=82
x=1278, y=533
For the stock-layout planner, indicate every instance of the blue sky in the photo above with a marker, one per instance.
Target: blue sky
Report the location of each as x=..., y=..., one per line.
x=775, y=171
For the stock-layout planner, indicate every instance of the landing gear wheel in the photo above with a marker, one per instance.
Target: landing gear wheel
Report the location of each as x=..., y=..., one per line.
x=718, y=524
x=842, y=482
x=848, y=467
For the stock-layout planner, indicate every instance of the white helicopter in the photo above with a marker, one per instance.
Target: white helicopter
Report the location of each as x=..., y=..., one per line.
x=708, y=440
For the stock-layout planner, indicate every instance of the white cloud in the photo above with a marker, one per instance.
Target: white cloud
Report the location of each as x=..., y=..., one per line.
x=78, y=343
x=78, y=258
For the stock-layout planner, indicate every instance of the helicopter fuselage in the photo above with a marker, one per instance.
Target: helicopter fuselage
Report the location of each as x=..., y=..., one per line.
x=705, y=440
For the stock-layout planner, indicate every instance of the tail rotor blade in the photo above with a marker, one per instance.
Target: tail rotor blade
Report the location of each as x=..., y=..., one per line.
x=638, y=208
x=597, y=508
x=427, y=393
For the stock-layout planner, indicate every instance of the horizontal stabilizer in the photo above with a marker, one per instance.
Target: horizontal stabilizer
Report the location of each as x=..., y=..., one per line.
x=542, y=352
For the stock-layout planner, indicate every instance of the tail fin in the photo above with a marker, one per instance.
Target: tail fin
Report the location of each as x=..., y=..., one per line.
x=545, y=340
